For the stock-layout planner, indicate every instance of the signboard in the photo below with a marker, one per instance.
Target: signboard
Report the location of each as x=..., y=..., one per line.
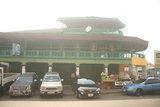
x=16, y=49
x=139, y=61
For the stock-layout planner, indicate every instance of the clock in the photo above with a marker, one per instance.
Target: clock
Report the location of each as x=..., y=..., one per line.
x=88, y=28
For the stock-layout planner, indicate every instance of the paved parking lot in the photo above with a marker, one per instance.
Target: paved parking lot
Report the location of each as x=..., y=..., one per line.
x=107, y=94
x=110, y=98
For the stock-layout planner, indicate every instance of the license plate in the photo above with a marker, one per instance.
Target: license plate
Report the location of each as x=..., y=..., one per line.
x=18, y=93
x=90, y=95
x=51, y=92
x=124, y=90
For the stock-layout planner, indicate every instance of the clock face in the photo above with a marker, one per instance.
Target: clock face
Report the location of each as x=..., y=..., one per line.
x=88, y=28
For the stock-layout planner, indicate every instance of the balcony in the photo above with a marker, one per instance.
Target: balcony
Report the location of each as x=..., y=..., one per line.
x=93, y=31
x=71, y=54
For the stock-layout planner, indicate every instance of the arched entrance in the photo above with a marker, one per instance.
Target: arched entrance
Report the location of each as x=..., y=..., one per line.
x=65, y=70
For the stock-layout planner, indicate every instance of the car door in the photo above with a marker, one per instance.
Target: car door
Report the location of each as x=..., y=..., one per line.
x=148, y=86
x=151, y=85
x=156, y=85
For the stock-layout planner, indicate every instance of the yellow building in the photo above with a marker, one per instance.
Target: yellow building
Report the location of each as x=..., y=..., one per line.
x=157, y=58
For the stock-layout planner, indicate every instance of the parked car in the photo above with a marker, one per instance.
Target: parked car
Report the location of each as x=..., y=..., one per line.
x=86, y=88
x=122, y=82
x=24, y=85
x=6, y=79
x=142, y=86
x=51, y=84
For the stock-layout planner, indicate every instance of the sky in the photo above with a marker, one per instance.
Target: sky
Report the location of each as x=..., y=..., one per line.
x=141, y=17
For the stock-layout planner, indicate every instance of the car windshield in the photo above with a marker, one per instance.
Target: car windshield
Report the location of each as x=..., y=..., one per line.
x=24, y=79
x=140, y=81
x=51, y=78
x=83, y=82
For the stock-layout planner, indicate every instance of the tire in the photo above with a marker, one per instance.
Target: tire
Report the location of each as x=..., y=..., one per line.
x=31, y=94
x=1, y=91
x=78, y=95
x=98, y=96
x=139, y=92
x=11, y=96
x=41, y=95
x=61, y=95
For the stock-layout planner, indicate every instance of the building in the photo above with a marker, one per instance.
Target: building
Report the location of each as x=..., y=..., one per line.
x=154, y=71
x=157, y=59
x=93, y=44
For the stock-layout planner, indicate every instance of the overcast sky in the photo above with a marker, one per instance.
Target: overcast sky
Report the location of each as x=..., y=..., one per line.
x=142, y=17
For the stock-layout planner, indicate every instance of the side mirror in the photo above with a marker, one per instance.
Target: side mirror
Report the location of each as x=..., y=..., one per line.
x=75, y=82
x=62, y=79
x=41, y=80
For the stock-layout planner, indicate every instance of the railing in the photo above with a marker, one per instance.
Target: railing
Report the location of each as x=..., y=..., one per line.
x=71, y=54
x=93, y=31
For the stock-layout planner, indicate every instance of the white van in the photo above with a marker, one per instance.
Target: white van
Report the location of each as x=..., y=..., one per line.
x=51, y=84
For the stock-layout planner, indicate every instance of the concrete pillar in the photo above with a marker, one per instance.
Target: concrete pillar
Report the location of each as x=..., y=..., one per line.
x=144, y=73
x=23, y=69
x=77, y=71
x=133, y=72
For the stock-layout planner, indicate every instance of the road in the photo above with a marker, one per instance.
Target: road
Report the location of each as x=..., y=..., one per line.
x=106, y=100
x=110, y=103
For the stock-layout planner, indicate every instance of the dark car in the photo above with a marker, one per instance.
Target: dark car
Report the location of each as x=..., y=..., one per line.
x=85, y=88
x=24, y=85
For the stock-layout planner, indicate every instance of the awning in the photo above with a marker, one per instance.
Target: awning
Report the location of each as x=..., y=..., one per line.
x=139, y=61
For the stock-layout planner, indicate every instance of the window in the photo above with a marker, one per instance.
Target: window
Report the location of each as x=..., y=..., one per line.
x=152, y=81
x=157, y=55
x=51, y=78
x=84, y=81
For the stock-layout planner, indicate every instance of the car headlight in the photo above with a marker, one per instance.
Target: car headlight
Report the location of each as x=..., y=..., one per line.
x=28, y=87
x=124, y=83
x=43, y=88
x=59, y=88
x=80, y=90
x=11, y=88
x=131, y=88
x=98, y=89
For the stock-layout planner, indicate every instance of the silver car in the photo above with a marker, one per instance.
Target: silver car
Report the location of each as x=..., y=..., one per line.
x=51, y=84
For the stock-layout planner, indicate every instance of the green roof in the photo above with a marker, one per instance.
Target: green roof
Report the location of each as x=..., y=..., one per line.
x=98, y=22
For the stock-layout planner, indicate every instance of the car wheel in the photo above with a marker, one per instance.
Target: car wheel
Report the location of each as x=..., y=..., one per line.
x=11, y=96
x=1, y=91
x=139, y=92
x=31, y=94
x=98, y=96
x=61, y=95
x=41, y=95
x=78, y=95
